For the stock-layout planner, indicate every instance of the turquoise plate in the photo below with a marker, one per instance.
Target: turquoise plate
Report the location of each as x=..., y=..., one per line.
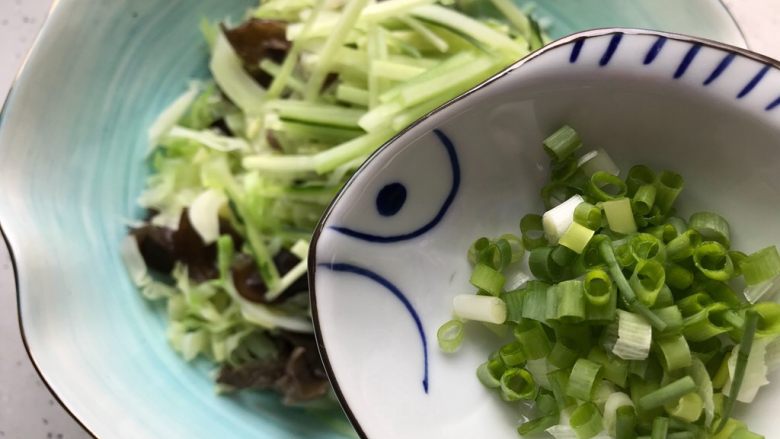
x=72, y=143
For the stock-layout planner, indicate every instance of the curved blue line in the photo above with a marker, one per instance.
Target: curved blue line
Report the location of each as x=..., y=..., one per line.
x=724, y=63
x=753, y=82
x=772, y=105
x=611, y=48
x=453, y=156
x=655, y=50
x=575, y=50
x=360, y=271
x=686, y=61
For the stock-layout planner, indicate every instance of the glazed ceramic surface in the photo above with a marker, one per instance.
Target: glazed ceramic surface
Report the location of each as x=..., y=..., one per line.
x=391, y=252
x=72, y=149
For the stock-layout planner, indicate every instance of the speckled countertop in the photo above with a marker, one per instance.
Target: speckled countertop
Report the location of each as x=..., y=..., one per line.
x=27, y=409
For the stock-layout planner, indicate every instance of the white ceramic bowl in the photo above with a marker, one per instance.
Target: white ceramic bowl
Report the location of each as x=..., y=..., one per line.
x=384, y=267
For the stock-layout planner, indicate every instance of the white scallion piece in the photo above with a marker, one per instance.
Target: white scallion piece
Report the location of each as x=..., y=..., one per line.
x=614, y=402
x=167, y=119
x=558, y=219
x=204, y=214
x=486, y=309
x=634, y=336
x=597, y=160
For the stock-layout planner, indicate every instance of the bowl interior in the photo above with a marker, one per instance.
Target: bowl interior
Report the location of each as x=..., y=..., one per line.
x=382, y=347
x=71, y=165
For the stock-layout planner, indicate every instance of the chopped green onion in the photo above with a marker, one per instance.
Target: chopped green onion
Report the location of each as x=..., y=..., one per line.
x=634, y=337
x=682, y=247
x=620, y=217
x=487, y=279
x=586, y=421
x=562, y=256
x=532, y=231
x=668, y=188
x=711, y=226
x=694, y=303
x=538, y=425
x=566, y=302
x=489, y=373
x=660, y=428
x=707, y=323
x=562, y=143
x=556, y=193
x=535, y=343
x=646, y=247
x=712, y=259
x=514, y=304
x=625, y=289
x=665, y=298
x=595, y=161
x=576, y=237
x=588, y=215
x=517, y=384
x=638, y=176
x=625, y=424
x=647, y=280
x=688, y=408
x=450, y=335
x=558, y=219
x=512, y=354
x=477, y=248
x=598, y=287
x=768, y=319
x=666, y=394
x=535, y=300
x=671, y=316
x=664, y=232
x=559, y=382
x=678, y=277
x=584, y=377
x=745, y=346
x=562, y=355
x=604, y=186
x=615, y=369
x=761, y=266
x=673, y=352
x=542, y=266
x=486, y=309
x=643, y=199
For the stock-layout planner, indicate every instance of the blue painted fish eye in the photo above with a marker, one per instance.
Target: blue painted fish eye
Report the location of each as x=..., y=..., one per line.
x=391, y=199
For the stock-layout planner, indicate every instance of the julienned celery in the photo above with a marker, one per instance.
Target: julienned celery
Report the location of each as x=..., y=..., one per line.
x=669, y=340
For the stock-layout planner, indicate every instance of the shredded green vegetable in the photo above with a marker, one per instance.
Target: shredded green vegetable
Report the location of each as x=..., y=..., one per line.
x=631, y=300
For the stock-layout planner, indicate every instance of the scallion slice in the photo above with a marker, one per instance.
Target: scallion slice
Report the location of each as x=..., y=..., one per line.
x=604, y=186
x=486, y=309
x=712, y=259
x=562, y=143
x=450, y=335
x=532, y=231
x=669, y=393
x=620, y=217
x=516, y=384
x=584, y=377
x=668, y=188
x=586, y=421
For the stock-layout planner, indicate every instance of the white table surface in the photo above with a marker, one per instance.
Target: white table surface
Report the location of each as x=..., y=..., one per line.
x=27, y=409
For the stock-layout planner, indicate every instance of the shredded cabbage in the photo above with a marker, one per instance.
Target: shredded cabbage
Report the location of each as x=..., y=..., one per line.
x=756, y=372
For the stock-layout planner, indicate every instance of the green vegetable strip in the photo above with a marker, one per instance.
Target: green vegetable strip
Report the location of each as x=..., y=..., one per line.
x=559, y=383
x=711, y=226
x=352, y=95
x=489, y=373
x=538, y=425
x=688, y=408
x=643, y=199
x=562, y=143
x=672, y=316
x=453, y=63
x=668, y=188
x=334, y=41
x=275, y=70
x=535, y=300
x=647, y=281
x=562, y=356
x=660, y=428
x=707, y=323
x=584, y=377
x=667, y=394
x=761, y=266
x=638, y=176
x=448, y=83
x=487, y=279
x=586, y=421
x=450, y=335
x=604, y=186
x=745, y=345
x=588, y=215
x=625, y=427
x=673, y=352
x=514, y=16
x=535, y=343
x=517, y=384
x=712, y=259
x=512, y=354
x=678, y=277
x=625, y=288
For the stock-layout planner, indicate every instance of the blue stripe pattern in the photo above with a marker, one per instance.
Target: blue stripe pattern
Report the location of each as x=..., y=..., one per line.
x=724, y=63
x=360, y=271
x=575, y=49
x=773, y=104
x=692, y=52
x=654, y=50
x=614, y=42
x=753, y=82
